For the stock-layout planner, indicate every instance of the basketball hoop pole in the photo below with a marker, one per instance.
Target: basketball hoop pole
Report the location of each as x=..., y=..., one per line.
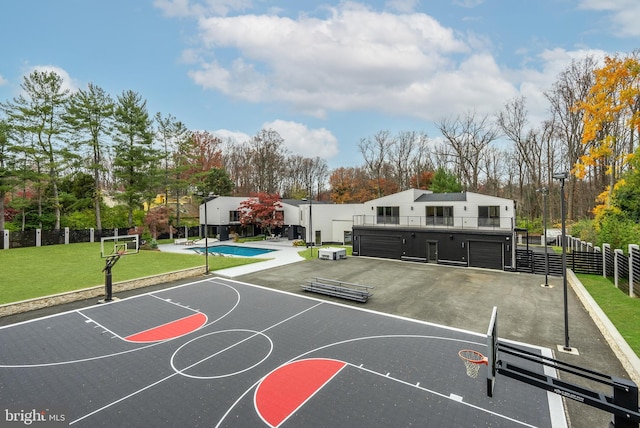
x=108, y=279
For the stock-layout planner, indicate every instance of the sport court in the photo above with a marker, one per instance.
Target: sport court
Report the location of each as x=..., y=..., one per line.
x=219, y=352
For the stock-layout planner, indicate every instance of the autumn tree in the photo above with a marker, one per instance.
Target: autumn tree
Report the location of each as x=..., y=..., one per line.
x=611, y=120
x=421, y=180
x=350, y=185
x=262, y=210
x=157, y=220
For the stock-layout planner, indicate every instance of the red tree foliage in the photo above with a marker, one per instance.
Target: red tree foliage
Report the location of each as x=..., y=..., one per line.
x=261, y=209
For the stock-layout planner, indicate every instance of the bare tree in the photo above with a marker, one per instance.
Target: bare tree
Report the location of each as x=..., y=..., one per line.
x=572, y=86
x=469, y=136
x=375, y=153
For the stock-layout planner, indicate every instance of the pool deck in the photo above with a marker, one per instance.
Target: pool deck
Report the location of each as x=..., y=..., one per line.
x=285, y=254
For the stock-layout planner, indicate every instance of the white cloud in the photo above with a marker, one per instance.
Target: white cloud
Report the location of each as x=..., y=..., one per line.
x=351, y=60
x=232, y=136
x=625, y=15
x=402, y=5
x=3, y=81
x=67, y=82
x=301, y=140
x=357, y=59
x=184, y=8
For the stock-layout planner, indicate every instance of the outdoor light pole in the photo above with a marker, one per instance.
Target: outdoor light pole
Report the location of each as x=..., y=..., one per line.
x=562, y=176
x=545, y=194
x=206, y=240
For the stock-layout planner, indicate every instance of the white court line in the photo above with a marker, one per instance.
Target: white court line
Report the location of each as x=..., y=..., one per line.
x=174, y=374
x=114, y=354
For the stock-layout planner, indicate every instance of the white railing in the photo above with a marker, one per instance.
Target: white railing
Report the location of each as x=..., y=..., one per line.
x=435, y=222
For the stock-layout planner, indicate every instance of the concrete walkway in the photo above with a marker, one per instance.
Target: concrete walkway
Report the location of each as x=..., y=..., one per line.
x=285, y=253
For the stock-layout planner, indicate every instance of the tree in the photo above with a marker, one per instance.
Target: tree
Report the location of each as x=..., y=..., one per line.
x=90, y=117
x=350, y=185
x=513, y=122
x=135, y=159
x=38, y=112
x=8, y=178
x=468, y=137
x=421, y=180
x=611, y=119
x=375, y=152
x=571, y=88
x=267, y=151
x=261, y=209
x=157, y=220
x=445, y=182
x=217, y=181
x=173, y=136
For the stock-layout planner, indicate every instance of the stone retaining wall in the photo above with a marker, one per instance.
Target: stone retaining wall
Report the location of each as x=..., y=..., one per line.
x=96, y=292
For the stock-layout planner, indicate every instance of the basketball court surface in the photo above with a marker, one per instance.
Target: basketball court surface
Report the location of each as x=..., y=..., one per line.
x=222, y=353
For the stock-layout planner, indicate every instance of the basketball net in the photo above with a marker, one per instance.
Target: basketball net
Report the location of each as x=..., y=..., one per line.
x=472, y=361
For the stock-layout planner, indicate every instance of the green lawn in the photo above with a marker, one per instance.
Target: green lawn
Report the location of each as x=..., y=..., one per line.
x=40, y=271
x=622, y=310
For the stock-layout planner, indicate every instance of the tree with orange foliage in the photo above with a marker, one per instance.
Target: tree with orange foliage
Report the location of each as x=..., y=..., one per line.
x=422, y=180
x=261, y=209
x=350, y=185
x=611, y=121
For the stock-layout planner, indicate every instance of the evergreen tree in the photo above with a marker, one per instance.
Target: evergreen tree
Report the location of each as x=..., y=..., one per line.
x=135, y=158
x=37, y=114
x=90, y=116
x=445, y=182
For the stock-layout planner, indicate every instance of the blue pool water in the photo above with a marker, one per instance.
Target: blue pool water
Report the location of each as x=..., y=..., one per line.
x=238, y=251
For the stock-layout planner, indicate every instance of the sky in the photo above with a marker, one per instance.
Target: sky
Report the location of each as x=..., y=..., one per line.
x=323, y=74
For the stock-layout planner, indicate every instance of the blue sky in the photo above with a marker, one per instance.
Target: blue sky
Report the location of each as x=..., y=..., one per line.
x=322, y=74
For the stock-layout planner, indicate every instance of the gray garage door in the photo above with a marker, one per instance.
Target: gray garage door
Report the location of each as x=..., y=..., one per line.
x=486, y=255
x=387, y=246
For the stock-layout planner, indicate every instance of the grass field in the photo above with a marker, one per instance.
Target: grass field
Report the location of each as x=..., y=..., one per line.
x=31, y=272
x=622, y=310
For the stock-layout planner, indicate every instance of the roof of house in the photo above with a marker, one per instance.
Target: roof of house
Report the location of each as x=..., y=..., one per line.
x=442, y=197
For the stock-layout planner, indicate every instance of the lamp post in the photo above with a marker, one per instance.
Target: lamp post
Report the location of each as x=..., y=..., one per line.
x=207, y=198
x=545, y=193
x=310, y=240
x=562, y=176
x=206, y=238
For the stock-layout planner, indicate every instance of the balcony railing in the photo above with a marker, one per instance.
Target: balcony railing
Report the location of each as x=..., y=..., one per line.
x=477, y=223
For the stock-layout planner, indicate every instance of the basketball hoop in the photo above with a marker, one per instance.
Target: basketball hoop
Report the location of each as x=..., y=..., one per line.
x=472, y=361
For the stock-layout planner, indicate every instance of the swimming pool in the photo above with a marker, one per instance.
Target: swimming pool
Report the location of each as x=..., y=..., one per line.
x=235, y=250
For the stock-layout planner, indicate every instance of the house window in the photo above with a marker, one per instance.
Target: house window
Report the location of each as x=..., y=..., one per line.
x=388, y=215
x=440, y=216
x=234, y=216
x=489, y=216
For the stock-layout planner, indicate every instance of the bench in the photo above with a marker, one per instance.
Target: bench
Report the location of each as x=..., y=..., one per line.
x=344, y=290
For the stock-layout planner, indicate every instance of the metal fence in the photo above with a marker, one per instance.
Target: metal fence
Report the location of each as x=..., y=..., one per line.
x=583, y=257
x=39, y=238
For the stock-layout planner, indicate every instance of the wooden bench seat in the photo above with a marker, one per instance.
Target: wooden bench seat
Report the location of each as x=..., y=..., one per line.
x=344, y=290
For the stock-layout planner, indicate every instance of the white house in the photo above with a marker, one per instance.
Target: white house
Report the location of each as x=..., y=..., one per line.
x=464, y=228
